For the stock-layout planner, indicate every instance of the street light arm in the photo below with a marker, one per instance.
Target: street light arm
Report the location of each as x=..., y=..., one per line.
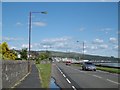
x=45, y=12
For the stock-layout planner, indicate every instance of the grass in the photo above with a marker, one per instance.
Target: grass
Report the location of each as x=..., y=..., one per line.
x=107, y=69
x=45, y=74
x=111, y=70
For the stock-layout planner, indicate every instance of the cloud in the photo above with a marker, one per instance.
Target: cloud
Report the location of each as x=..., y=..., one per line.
x=55, y=43
x=113, y=40
x=97, y=41
x=40, y=24
x=13, y=47
x=26, y=46
x=11, y=39
x=103, y=46
x=94, y=47
x=115, y=47
x=106, y=30
x=53, y=40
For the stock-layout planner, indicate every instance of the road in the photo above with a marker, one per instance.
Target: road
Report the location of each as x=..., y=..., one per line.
x=73, y=77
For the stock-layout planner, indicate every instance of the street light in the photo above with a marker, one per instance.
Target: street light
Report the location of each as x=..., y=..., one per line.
x=30, y=21
x=83, y=49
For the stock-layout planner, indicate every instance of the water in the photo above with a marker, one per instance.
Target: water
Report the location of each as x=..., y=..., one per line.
x=53, y=84
x=111, y=64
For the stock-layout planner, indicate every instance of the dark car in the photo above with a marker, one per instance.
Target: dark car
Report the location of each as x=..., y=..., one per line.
x=88, y=66
x=68, y=63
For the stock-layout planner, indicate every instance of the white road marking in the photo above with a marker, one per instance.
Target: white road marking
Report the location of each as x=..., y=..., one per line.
x=74, y=88
x=97, y=76
x=68, y=80
x=59, y=69
x=64, y=75
x=61, y=72
x=113, y=81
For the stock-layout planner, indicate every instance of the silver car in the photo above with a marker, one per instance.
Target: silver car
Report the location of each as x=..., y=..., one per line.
x=88, y=66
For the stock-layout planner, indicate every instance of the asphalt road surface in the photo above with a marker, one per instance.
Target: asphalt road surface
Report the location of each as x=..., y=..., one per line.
x=75, y=78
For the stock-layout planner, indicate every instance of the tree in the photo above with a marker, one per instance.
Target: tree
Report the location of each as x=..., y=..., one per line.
x=23, y=53
x=43, y=56
x=6, y=53
x=4, y=47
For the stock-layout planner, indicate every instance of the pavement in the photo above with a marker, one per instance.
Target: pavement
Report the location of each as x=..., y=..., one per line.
x=32, y=80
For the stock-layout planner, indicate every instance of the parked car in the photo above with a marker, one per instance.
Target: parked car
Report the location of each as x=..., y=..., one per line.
x=68, y=62
x=88, y=66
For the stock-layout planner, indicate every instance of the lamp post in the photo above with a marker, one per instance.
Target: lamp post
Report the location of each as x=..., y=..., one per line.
x=83, y=50
x=30, y=21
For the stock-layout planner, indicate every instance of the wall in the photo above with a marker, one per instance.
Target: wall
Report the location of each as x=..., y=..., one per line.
x=12, y=72
x=0, y=74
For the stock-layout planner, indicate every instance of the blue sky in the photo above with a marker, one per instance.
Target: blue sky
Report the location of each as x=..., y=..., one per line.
x=66, y=23
x=60, y=0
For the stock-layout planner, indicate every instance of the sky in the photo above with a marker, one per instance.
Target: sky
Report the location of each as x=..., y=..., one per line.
x=66, y=26
x=0, y=21
x=60, y=0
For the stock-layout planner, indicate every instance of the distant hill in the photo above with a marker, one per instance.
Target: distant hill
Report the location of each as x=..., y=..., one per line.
x=79, y=55
x=76, y=56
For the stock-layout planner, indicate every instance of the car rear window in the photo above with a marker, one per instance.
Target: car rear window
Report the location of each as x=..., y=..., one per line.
x=89, y=63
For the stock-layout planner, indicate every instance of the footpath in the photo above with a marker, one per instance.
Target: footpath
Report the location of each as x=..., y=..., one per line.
x=32, y=80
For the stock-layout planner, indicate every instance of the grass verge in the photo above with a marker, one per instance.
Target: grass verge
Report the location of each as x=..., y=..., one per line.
x=45, y=74
x=111, y=70
x=107, y=69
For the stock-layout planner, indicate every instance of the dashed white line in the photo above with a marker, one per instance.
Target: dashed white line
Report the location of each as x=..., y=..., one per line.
x=97, y=76
x=113, y=81
x=61, y=72
x=68, y=80
x=59, y=69
x=64, y=75
x=74, y=88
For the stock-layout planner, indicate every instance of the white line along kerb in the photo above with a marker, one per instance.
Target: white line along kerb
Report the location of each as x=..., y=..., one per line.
x=58, y=68
x=68, y=80
x=74, y=88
